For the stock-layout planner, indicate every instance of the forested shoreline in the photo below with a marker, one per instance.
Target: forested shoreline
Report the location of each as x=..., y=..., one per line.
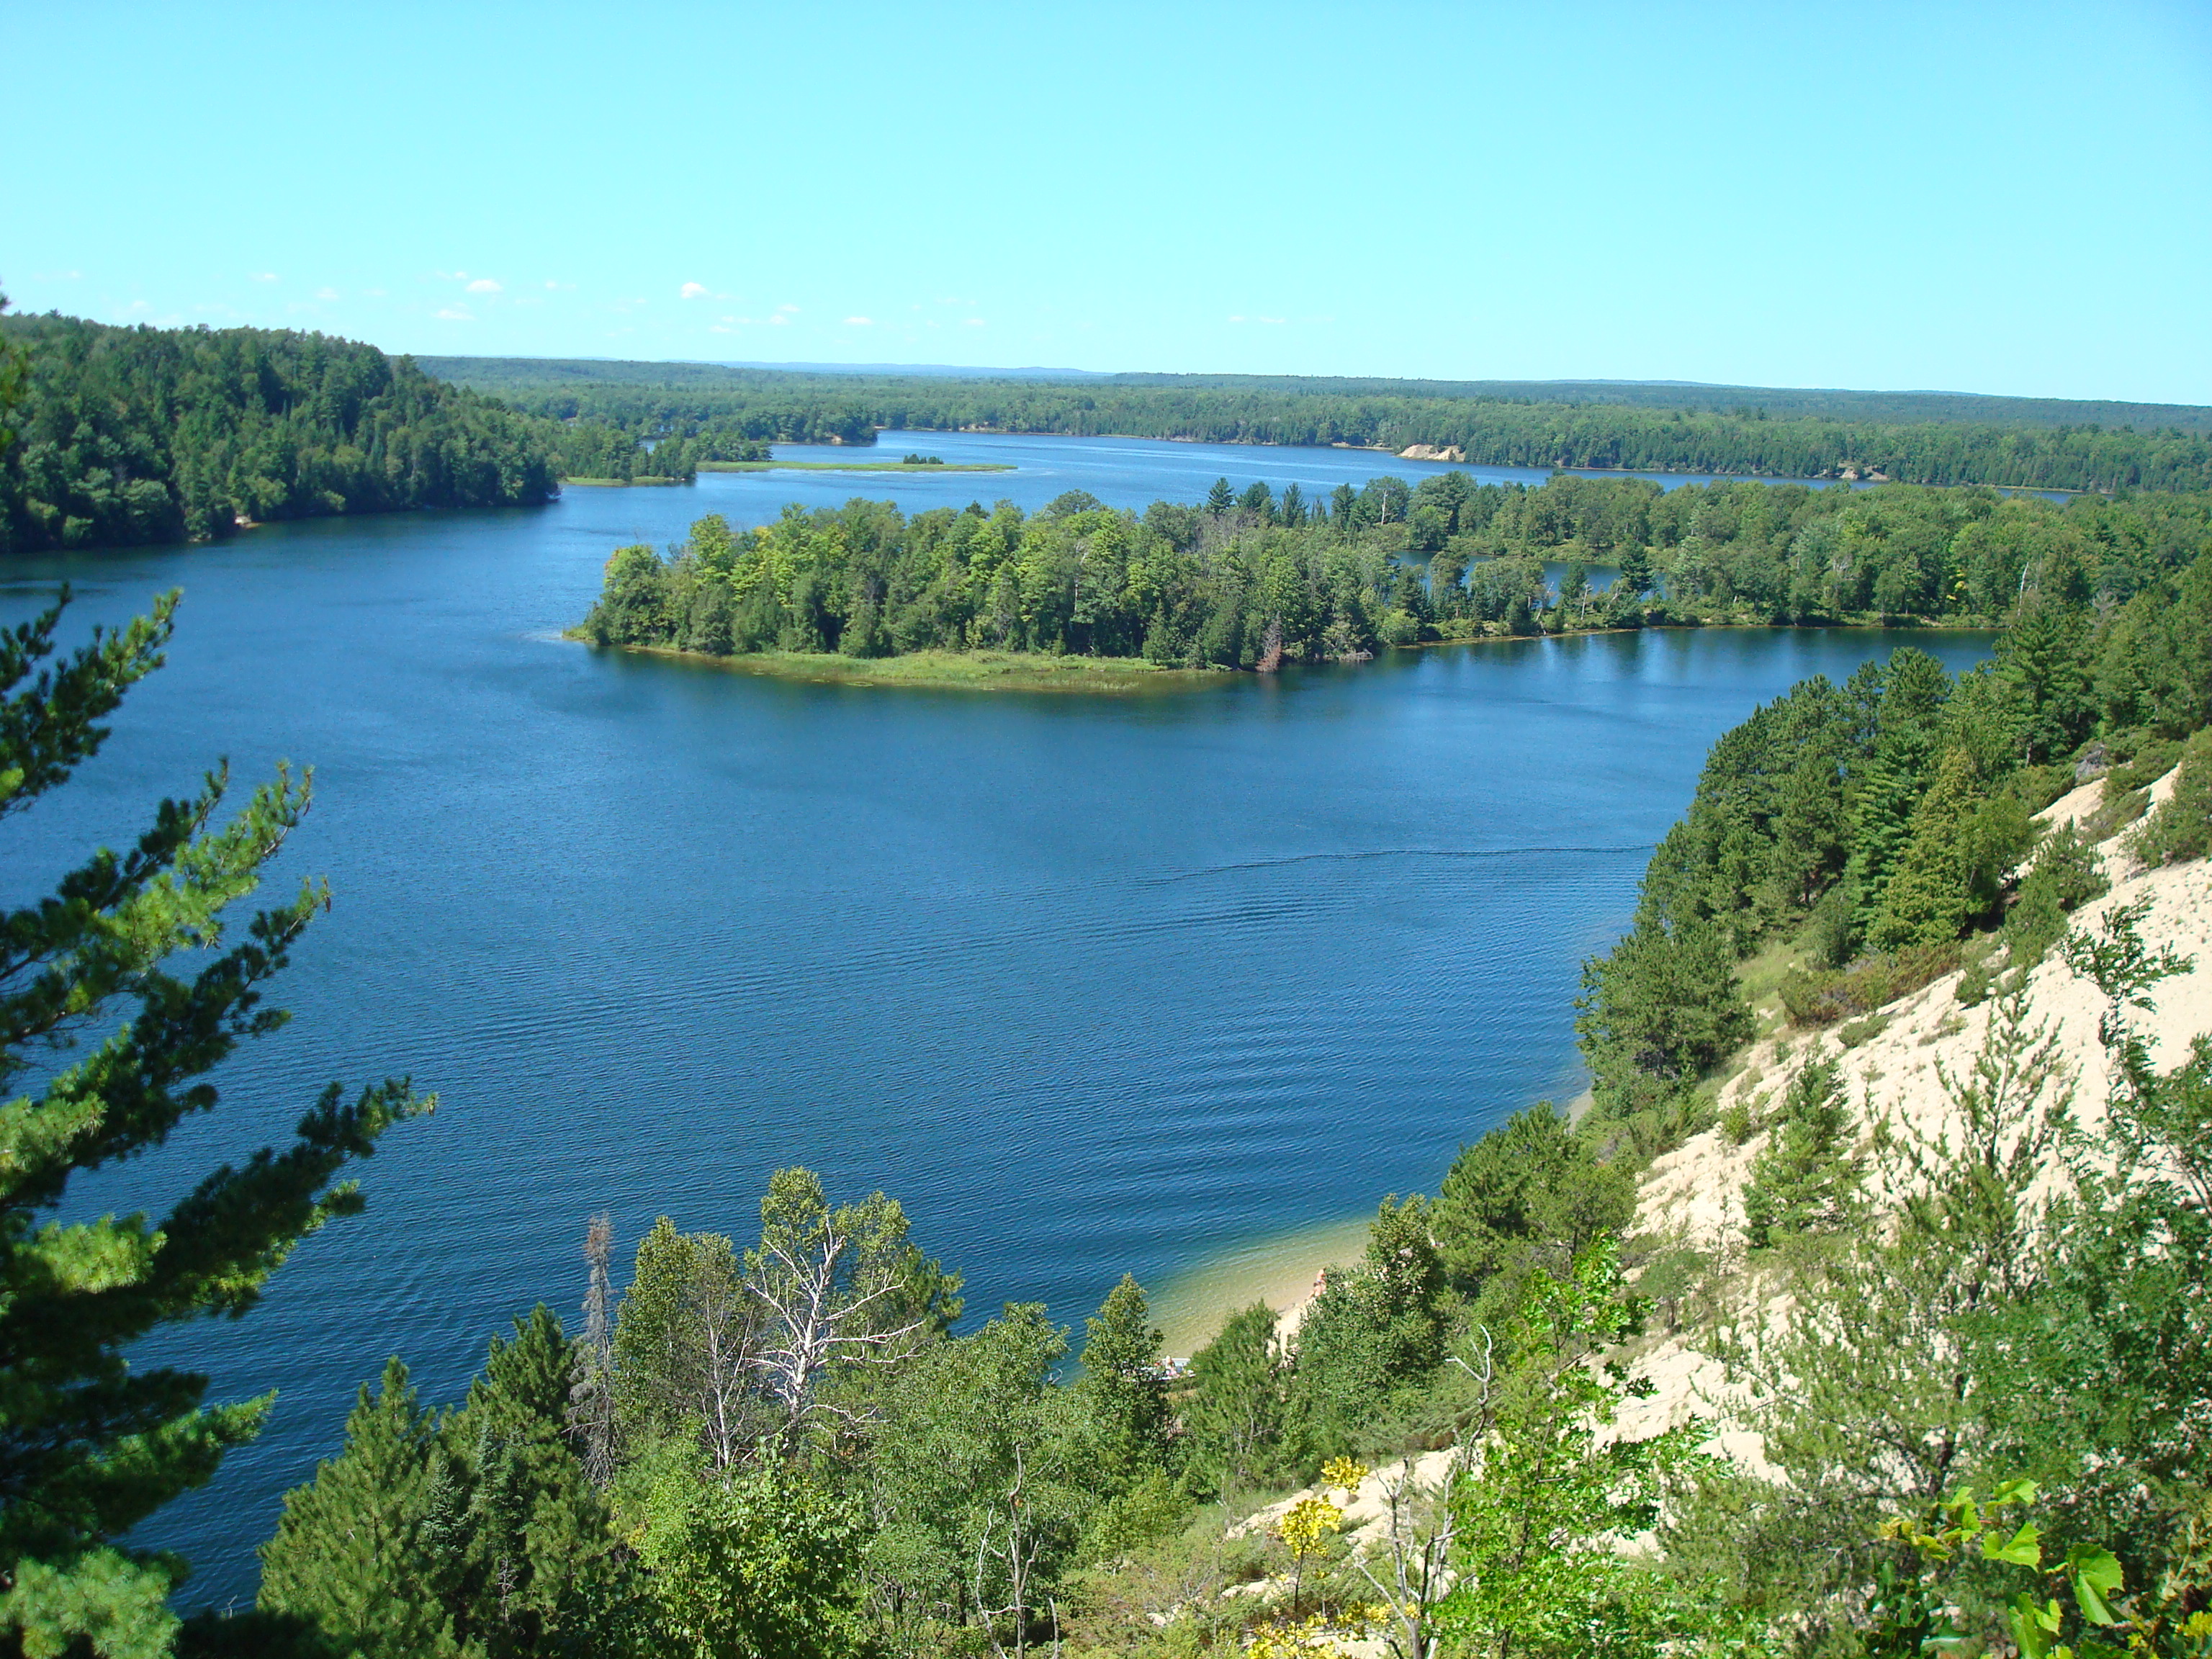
x=1255, y=580
x=135, y=435
x=130, y=435
x=732, y=406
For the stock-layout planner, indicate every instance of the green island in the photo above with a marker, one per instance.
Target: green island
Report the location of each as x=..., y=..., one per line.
x=1256, y=581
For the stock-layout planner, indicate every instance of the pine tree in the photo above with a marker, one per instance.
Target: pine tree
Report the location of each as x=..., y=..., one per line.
x=1221, y=498
x=1236, y=1411
x=1925, y=900
x=1807, y=1176
x=1123, y=1385
x=95, y=1446
x=479, y=1534
x=366, y=1551
x=540, y=1573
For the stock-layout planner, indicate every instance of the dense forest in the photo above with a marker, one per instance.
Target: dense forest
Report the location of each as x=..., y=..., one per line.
x=1876, y=821
x=143, y=434
x=1257, y=580
x=725, y=406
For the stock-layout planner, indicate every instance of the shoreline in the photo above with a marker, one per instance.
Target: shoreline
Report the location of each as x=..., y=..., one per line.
x=858, y=466
x=1276, y=1268
x=958, y=671
x=1027, y=671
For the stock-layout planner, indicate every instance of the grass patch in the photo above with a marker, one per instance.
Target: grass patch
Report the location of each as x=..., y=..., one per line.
x=852, y=466
x=1762, y=975
x=971, y=670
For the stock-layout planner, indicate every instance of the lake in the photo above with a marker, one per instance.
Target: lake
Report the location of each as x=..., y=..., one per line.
x=1093, y=985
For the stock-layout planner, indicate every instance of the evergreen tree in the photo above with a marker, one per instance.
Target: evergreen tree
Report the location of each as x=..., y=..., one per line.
x=539, y=1573
x=1530, y=1190
x=95, y=1445
x=369, y=1552
x=1805, y=1178
x=2045, y=654
x=1236, y=1412
x=1925, y=900
x=1374, y=1331
x=1221, y=498
x=1123, y=1385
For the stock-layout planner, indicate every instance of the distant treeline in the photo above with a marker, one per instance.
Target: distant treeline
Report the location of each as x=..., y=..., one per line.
x=729, y=406
x=520, y=374
x=143, y=434
x=1259, y=579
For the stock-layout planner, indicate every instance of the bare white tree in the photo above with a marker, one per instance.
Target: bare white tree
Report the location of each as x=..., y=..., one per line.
x=833, y=1289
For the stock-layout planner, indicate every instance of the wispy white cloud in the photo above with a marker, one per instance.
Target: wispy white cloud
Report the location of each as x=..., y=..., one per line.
x=859, y=322
x=1236, y=319
x=780, y=321
x=790, y=309
x=326, y=293
x=57, y=275
x=971, y=322
x=373, y=292
x=263, y=276
x=483, y=285
x=456, y=314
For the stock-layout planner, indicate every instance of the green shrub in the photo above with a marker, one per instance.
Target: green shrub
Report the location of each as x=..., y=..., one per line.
x=2181, y=829
x=1814, y=998
x=2151, y=762
x=2064, y=877
x=1739, y=1122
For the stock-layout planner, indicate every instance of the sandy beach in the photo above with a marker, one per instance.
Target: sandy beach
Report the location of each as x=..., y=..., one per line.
x=1278, y=1270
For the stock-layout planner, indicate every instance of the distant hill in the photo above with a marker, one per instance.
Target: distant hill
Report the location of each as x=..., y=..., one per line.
x=509, y=376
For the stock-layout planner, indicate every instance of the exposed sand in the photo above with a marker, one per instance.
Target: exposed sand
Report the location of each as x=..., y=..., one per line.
x=1278, y=1270
x=1695, y=1193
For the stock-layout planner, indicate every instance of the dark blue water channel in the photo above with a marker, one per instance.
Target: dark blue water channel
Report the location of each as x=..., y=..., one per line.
x=1094, y=984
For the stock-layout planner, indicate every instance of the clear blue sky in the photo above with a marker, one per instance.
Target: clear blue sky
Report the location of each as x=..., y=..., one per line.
x=1997, y=197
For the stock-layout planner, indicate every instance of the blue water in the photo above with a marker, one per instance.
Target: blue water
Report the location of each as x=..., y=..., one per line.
x=1119, y=471
x=1091, y=984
